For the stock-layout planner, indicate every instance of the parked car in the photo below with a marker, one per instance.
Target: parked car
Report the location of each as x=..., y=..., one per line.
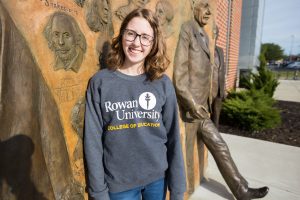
x=294, y=65
x=286, y=63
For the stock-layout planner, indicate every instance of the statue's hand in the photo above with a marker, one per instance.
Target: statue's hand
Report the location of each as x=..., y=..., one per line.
x=199, y=112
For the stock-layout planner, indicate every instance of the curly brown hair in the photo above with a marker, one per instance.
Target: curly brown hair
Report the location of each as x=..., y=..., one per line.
x=156, y=61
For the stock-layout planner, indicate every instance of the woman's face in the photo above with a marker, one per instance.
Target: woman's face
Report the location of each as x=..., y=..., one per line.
x=135, y=52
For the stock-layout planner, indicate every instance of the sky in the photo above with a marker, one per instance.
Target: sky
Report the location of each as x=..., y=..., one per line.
x=281, y=24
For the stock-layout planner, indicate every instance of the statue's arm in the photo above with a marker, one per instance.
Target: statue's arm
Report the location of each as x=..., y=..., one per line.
x=181, y=70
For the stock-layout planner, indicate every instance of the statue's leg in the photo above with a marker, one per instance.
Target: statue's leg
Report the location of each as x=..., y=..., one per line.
x=218, y=148
x=190, y=132
x=217, y=105
x=201, y=153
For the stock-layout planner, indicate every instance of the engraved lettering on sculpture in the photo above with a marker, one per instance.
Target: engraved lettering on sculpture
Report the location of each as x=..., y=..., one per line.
x=68, y=90
x=46, y=2
x=59, y=6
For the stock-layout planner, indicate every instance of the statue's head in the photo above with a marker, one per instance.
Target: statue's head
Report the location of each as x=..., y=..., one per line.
x=103, y=9
x=201, y=9
x=164, y=12
x=99, y=16
x=64, y=36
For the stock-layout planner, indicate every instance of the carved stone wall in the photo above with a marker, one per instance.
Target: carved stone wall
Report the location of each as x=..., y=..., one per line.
x=66, y=42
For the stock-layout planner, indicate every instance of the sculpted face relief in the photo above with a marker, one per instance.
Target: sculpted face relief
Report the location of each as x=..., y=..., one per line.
x=66, y=40
x=103, y=10
x=160, y=13
x=63, y=38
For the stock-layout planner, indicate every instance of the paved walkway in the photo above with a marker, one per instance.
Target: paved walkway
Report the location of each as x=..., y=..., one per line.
x=260, y=162
x=288, y=90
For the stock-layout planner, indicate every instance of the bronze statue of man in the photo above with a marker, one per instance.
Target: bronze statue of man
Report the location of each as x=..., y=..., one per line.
x=193, y=83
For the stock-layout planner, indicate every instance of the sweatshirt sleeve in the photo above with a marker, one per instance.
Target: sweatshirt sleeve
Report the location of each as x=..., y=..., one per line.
x=93, y=148
x=176, y=173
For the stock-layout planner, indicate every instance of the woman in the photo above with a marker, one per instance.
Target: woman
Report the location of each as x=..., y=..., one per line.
x=131, y=143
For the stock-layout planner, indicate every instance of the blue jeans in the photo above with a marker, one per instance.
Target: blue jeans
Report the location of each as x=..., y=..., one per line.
x=153, y=191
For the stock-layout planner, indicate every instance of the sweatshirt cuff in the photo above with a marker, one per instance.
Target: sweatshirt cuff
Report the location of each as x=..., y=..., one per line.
x=99, y=196
x=176, y=196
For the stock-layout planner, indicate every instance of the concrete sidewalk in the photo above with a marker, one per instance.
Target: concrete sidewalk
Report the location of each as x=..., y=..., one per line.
x=288, y=90
x=262, y=163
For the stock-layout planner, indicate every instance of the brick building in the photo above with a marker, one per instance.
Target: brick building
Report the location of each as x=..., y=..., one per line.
x=228, y=19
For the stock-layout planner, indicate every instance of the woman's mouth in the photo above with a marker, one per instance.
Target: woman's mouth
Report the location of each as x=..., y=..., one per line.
x=134, y=50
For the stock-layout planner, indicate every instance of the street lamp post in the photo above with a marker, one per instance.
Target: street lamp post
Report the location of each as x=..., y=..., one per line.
x=292, y=44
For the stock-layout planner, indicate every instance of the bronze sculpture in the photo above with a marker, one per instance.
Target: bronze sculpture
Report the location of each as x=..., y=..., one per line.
x=80, y=2
x=77, y=121
x=123, y=11
x=218, y=81
x=99, y=19
x=165, y=14
x=193, y=83
x=31, y=134
x=66, y=40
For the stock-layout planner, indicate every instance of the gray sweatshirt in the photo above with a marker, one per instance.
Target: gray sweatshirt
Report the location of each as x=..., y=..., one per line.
x=131, y=134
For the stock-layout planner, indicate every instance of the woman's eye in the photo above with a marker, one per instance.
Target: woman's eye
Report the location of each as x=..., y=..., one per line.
x=146, y=37
x=130, y=33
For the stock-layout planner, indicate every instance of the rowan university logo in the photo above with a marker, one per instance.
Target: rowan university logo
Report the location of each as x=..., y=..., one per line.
x=147, y=100
x=132, y=109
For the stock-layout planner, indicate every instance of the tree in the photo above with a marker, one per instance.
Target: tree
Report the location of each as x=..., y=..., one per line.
x=253, y=108
x=272, y=51
x=263, y=80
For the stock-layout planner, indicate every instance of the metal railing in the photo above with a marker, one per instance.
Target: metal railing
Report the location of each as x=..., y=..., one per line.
x=287, y=74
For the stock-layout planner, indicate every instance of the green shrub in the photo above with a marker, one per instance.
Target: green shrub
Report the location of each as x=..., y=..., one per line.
x=250, y=110
x=264, y=80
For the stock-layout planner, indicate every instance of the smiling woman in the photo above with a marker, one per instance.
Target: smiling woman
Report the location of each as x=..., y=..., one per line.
x=153, y=63
x=136, y=102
